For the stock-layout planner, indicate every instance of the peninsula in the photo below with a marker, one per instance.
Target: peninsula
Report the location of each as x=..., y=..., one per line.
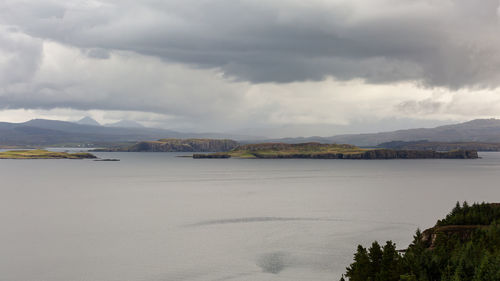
x=176, y=145
x=313, y=150
x=44, y=154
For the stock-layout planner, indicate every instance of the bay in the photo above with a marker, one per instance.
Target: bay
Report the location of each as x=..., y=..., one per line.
x=155, y=216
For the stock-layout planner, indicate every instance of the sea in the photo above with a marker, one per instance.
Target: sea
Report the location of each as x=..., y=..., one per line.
x=161, y=217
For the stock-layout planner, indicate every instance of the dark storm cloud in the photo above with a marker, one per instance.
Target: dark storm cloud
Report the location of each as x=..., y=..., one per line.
x=436, y=43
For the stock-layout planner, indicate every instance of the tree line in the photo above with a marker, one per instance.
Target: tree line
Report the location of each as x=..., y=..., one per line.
x=455, y=254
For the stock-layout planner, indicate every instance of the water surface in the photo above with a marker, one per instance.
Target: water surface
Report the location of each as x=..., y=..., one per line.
x=154, y=216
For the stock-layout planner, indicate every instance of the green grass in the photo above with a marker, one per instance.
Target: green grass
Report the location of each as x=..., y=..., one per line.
x=277, y=149
x=43, y=154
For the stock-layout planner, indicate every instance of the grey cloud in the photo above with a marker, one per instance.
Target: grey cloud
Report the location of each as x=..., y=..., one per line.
x=424, y=107
x=20, y=57
x=97, y=53
x=435, y=43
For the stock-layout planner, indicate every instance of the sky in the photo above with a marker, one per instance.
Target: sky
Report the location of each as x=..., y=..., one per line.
x=262, y=67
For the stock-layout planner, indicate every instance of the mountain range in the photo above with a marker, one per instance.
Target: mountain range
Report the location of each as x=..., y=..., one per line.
x=89, y=131
x=478, y=130
x=87, y=120
x=54, y=132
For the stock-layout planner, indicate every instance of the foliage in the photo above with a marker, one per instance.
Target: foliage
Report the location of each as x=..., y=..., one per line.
x=455, y=254
x=477, y=214
x=263, y=150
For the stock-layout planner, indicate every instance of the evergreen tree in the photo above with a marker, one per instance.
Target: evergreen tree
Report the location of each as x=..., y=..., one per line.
x=489, y=269
x=359, y=270
x=375, y=255
x=465, y=247
x=389, y=267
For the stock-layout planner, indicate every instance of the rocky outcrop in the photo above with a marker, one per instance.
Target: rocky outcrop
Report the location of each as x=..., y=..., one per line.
x=463, y=232
x=279, y=146
x=211, y=156
x=368, y=155
x=334, y=151
x=379, y=154
x=179, y=145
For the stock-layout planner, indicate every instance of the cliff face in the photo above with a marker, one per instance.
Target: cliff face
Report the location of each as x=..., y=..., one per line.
x=308, y=146
x=380, y=154
x=183, y=145
x=463, y=232
x=334, y=151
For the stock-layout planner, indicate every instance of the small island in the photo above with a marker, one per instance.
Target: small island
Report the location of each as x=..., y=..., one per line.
x=313, y=150
x=44, y=154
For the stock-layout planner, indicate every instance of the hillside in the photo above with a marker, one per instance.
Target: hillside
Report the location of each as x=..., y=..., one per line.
x=54, y=132
x=87, y=120
x=463, y=246
x=178, y=145
x=314, y=150
x=440, y=146
x=480, y=130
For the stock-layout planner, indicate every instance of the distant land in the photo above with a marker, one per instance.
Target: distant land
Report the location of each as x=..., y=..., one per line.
x=331, y=151
x=88, y=132
x=87, y=120
x=177, y=145
x=479, y=130
x=41, y=132
x=44, y=154
x=440, y=146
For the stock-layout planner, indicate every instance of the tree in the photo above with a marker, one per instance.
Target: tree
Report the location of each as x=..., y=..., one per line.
x=359, y=270
x=489, y=269
x=390, y=264
x=375, y=255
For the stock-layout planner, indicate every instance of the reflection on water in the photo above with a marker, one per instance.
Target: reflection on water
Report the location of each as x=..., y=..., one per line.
x=154, y=216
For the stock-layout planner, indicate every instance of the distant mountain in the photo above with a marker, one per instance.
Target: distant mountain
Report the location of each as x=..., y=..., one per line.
x=479, y=130
x=45, y=132
x=440, y=146
x=125, y=124
x=53, y=132
x=88, y=121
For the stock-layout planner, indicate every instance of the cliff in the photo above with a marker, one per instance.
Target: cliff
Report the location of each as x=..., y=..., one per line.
x=179, y=145
x=462, y=223
x=333, y=151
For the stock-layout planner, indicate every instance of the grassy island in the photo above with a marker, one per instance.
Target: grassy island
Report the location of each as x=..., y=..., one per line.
x=44, y=154
x=314, y=150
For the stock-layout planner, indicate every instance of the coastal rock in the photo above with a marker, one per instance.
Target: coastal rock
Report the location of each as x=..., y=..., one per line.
x=179, y=145
x=333, y=151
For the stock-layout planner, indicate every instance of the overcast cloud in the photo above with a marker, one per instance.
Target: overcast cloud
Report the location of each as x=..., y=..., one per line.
x=229, y=65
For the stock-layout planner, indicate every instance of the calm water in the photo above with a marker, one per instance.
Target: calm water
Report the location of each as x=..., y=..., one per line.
x=154, y=216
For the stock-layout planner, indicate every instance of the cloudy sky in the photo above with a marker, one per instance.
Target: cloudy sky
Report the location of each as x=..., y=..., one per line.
x=265, y=67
